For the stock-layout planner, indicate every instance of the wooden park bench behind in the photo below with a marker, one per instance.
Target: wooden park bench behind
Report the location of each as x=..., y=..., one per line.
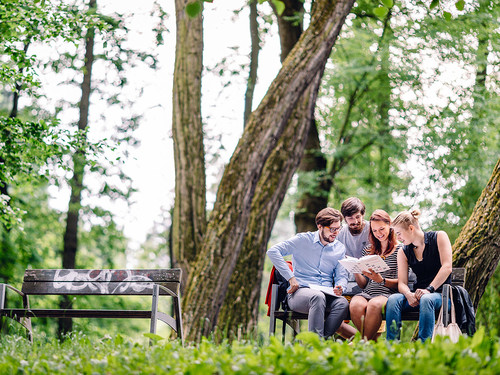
x=144, y=282
x=292, y=318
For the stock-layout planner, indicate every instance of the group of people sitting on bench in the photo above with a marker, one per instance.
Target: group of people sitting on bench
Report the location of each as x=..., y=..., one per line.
x=401, y=243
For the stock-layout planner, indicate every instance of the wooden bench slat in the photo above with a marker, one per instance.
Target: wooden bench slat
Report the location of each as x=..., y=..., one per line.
x=136, y=288
x=107, y=275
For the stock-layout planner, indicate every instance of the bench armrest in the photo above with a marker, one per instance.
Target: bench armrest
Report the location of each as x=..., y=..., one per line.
x=15, y=290
x=170, y=293
x=3, y=291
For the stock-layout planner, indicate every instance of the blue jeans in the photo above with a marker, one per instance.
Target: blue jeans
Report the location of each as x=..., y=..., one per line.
x=397, y=304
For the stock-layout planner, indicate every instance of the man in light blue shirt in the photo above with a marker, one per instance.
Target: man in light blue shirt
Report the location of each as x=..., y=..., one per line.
x=316, y=269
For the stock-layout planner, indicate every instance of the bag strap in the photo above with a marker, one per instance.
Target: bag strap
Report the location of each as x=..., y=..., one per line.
x=453, y=317
x=439, y=320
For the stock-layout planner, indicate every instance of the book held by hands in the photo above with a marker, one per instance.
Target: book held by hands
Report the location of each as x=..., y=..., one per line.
x=356, y=265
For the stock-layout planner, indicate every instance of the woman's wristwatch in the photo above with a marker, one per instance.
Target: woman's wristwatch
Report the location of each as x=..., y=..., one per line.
x=383, y=281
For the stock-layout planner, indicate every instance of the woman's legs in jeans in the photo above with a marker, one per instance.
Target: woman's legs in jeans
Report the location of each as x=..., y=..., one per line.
x=397, y=304
x=429, y=304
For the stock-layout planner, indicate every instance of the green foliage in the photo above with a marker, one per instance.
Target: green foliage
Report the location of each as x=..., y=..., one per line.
x=83, y=354
x=23, y=22
x=194, y=8
x=487, y=315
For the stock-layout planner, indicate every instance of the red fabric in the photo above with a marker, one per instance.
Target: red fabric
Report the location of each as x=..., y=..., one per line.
x=270, y=286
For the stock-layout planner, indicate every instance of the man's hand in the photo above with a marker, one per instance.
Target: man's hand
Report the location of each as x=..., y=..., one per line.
x=412, y=300
x=420, y=292
x=294, y=285
x=337, y=290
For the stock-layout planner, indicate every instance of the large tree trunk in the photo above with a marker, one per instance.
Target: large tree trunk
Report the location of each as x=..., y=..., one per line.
x=240, y=310
x=189, y=220
x=477, y=248
x=226, y=229
x=70, y=246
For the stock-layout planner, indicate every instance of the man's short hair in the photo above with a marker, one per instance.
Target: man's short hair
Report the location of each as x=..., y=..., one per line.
x=351, y=206
x=327, y=216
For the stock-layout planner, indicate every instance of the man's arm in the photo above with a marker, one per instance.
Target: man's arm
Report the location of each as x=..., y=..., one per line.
x=276, y=254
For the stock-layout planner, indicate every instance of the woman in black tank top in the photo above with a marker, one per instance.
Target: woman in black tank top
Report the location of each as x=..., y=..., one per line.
x=429, y=256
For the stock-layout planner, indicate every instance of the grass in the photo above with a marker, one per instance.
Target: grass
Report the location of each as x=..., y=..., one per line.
x=85, y=354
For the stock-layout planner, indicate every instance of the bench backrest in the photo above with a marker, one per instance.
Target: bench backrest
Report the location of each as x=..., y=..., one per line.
x=100, y=282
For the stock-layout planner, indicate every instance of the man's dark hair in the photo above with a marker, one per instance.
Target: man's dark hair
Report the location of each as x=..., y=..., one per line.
x=327, y=216
x=351, y=206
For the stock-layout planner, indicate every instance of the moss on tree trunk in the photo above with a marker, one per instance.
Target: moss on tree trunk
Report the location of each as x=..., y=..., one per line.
x=477, y=248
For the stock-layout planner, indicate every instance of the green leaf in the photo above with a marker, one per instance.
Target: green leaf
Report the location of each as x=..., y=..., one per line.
x=381, y=12
x=388, y=3
x=447, y=16
x=280, y=6
x=153, y=336
x=460, y=5
x=193, y=9
x=434, y=4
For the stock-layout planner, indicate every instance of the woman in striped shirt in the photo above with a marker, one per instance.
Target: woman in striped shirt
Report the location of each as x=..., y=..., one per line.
x=366, y=307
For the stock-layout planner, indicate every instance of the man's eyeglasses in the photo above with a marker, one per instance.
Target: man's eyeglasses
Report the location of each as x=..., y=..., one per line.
x=334, y=230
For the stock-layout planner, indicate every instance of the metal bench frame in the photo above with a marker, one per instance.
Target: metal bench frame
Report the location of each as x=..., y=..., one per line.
x=292, y=318
x=145, y=282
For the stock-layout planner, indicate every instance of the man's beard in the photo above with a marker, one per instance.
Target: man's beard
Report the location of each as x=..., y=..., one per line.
x=357, y=229
x=327, y=238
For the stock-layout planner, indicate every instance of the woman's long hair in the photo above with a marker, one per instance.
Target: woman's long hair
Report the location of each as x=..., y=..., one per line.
x=376, y=248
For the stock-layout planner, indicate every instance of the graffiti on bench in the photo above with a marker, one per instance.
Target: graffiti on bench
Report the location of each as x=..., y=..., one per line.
x=102, y=281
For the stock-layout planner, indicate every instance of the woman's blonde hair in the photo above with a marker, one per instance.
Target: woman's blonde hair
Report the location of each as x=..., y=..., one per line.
x=407, y=218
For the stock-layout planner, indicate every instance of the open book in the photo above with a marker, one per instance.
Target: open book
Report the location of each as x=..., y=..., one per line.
x=356, y=265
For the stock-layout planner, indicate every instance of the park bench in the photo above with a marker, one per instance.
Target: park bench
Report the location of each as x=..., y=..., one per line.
x=107, y=282
x=292, y=318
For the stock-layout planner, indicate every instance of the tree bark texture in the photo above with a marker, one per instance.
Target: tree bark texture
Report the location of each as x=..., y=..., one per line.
x=189, y=220
x=239, y=312
x=70, y=246
x=477, y=248
x=238, y=315
x=226, y=229
x=254, y=60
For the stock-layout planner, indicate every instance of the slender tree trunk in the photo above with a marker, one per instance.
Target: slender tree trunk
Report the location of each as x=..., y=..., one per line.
x=477, y=248
x=254, y=60
x=209, y=279
x=76, y=184
x=189, y=220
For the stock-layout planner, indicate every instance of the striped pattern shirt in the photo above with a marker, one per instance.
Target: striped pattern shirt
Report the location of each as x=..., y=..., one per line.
x=375, y=289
